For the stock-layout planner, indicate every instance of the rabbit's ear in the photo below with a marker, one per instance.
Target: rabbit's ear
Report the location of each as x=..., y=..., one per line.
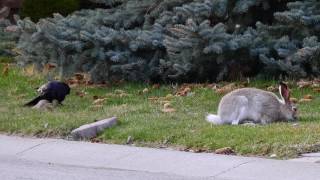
x=284, y=92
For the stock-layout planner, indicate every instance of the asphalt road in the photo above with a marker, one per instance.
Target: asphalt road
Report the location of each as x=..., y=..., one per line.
x=57, y=159
x=12, y=168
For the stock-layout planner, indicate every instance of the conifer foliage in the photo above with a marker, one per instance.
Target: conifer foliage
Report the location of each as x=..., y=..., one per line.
x=178, y=40
x=7, y=39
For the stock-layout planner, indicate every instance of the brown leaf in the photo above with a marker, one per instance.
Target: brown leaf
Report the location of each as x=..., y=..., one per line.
x=304, y=100
x=95, y=140
x=99, y=101
x=167, y=105
x=119, y=91
x=272, y=89
x=168, y=110
x=162, y=102
x=156, y=86
x=186, y=89
x=72, y=81
x=304, y=83
x=49, y=66
x=123, y=95
x=227, y=88
x=294, y=100
x=183, y=91
x=212, y=86
x=79, y=76
x=316, y=89
x=80, y=93
x=29, y=70
x=95, y=97
x=225, y=150
x=145, y=90
x=308, y=96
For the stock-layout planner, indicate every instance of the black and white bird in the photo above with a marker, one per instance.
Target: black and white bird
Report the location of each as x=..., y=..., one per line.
x=53, y=90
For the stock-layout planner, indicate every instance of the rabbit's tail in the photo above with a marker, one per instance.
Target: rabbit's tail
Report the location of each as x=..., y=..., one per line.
x=214, y=119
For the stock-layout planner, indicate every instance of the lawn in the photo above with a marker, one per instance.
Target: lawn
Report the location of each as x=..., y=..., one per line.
x=141, y=117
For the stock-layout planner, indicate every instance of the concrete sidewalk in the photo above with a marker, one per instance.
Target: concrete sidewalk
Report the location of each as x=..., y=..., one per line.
x=103, y=161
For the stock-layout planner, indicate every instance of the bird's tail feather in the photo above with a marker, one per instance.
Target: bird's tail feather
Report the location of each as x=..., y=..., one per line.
x=33, y=101
x=214, y=119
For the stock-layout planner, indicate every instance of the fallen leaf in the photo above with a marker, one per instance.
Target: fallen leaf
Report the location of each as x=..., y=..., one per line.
x=183, y=91
x=123, y=95
x=164, y=102
x=225, y=150
x=167, y=105
x=273, y=155
x=99, y=101
x=294, y=100
x=295, y=124
x=316, y=89
x=72, y=81
x=80, y=93
x=48, y=67
x=96, y=140
x=272, y=89
x=156, y=86
x=88, y=82
x=119, y=91
x=29, y=70
x=227, y=88
x=197, y=150
x=168, y=110
x=79, y=76
x=304, y=100
x=95, y=97
x=212, y=86
x=303, y=83
x=308, y=96
x=145, y=90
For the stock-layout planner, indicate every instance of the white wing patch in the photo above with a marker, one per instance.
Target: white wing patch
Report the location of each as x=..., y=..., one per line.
x=42, y=88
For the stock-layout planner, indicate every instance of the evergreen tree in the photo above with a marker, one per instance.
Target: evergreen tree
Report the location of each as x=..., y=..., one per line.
x=178, y=40
x=7, y=39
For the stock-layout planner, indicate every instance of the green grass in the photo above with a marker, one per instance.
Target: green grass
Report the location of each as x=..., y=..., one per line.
x=144, y=121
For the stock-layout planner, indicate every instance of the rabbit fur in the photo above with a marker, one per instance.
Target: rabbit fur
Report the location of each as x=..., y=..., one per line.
x=254, y=106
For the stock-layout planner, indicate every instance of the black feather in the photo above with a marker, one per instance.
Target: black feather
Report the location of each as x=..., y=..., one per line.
x=54, y=90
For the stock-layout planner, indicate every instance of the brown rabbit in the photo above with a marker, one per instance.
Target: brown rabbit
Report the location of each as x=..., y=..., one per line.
x=256, y=106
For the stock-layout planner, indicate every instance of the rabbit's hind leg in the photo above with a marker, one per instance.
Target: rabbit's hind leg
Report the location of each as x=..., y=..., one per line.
x=241, y=110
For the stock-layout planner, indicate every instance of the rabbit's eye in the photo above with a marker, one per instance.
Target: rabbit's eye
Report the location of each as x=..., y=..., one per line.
x=294, y=109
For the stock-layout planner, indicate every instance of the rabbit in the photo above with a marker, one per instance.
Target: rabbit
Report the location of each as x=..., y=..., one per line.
x=255, y=106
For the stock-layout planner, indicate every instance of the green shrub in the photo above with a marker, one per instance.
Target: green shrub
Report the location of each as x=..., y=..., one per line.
x=36, y=9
